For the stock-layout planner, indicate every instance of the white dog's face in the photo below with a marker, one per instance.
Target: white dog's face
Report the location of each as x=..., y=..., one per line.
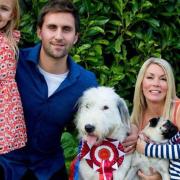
x=101, y=111
x=159, y=129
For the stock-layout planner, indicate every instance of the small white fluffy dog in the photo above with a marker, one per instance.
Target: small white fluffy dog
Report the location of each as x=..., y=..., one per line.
x=102, y=114
x=158, y=130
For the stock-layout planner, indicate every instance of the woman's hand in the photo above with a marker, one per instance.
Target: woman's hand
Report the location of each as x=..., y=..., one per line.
x=154, y=175
x=129, y=143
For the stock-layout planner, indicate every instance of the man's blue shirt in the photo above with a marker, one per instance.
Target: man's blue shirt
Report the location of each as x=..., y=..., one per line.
x=45, y=116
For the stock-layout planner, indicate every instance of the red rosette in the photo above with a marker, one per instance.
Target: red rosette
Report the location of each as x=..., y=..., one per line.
x=104, y=157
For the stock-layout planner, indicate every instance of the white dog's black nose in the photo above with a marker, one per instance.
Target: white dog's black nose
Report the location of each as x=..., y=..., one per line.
x=89, y=128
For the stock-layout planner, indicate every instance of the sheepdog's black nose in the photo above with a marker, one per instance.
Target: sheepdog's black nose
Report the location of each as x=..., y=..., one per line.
x=89, y=128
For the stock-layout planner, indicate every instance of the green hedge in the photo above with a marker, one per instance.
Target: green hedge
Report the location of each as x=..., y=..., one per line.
x=116, y=37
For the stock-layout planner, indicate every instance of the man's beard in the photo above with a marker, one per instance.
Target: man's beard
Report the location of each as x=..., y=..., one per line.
x=55, y=54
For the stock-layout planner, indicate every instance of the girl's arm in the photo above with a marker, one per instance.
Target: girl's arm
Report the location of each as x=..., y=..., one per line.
x=166, y=151
x=175, y=139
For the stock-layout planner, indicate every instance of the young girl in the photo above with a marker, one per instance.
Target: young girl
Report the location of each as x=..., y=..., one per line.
x=12, y=125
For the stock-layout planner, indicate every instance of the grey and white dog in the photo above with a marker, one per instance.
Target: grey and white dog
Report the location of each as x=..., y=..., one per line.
x=158, y=130
x=102, y=114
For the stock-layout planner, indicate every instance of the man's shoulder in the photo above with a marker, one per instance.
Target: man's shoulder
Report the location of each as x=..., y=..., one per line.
x=85, y=71
x=29, y=52
x=84, y=75
x=27, y=49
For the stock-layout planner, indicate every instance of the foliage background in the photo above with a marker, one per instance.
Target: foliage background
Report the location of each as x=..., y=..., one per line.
x=117, y=36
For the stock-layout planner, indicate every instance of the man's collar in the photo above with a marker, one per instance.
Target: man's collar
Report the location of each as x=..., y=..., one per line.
x=34, y=53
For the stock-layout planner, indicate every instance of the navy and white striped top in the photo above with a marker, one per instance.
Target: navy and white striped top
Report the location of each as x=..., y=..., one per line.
x=169, y=151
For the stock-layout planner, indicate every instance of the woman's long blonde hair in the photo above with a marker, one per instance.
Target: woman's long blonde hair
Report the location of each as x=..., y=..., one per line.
x=139, y=102
x=11, y=25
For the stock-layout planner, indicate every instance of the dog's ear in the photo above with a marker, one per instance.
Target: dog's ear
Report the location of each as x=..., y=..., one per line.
x=172, y=130
x=124, y=112
x=77, y=104
x=153, y=122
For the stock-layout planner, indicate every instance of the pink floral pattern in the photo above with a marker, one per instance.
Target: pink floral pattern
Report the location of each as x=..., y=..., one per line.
x=12, y=125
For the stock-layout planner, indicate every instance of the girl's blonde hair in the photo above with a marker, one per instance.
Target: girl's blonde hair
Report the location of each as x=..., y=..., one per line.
x=139, y=102
x=13, y=24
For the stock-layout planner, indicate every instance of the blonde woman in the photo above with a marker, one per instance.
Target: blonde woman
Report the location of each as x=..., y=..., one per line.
x=155, y=96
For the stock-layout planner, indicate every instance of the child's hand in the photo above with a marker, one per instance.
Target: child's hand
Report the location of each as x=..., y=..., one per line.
x=140, y=146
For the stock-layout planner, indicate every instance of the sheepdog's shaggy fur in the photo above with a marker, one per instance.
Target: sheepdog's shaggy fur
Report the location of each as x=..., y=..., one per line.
x=102, y=114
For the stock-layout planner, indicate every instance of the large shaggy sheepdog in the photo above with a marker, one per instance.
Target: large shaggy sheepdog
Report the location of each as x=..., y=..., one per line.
x=103, y=123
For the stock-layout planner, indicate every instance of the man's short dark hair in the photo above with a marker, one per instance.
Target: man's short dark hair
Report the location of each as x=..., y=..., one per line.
x=59, y=6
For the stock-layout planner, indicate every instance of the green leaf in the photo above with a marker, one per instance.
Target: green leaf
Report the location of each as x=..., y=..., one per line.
x=129, y=33
x=139, y=35
x=98, y=49
x=134, y=6
x=77, y=58
x=118, y=44
x=153, y=22
x=92, y=60
x=134, y=60
x=69, y=145
x=101, y=41
x=147, y=4
x=118, y=4
x=98, y=22
x=142, y=16
x=83, y=47
x=115, y=23
x=113, y=32
x=95, y=30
